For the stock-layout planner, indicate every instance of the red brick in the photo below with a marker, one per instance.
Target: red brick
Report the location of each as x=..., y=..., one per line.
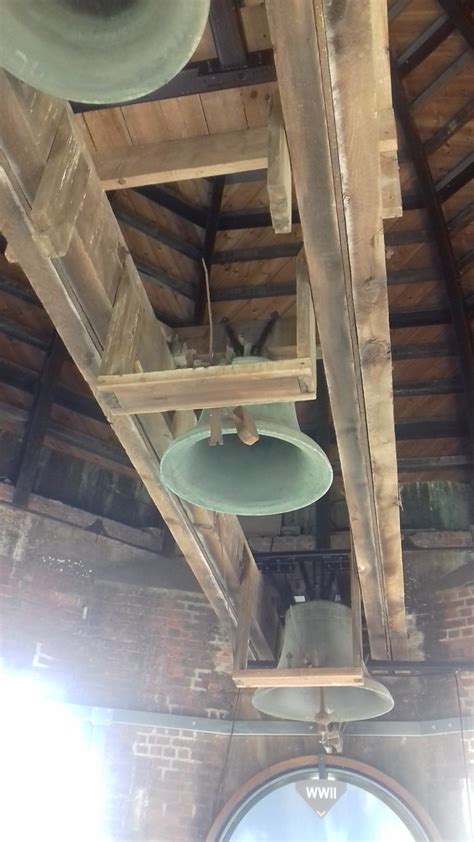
x=455, y=623
x=454, y=603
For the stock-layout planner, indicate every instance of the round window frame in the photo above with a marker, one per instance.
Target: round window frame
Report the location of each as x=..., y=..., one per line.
x=352, y=771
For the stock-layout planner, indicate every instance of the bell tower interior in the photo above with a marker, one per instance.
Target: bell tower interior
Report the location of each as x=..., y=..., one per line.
x=236, y=420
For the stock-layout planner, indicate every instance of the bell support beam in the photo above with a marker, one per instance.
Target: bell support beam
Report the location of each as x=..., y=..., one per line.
x=78, y=291
x=183, y=158
x=137, y=383
x=324, y=55
x=319, y=677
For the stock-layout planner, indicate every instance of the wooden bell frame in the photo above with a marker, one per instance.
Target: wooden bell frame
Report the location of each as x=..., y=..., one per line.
x=135, y=381
x=244, y=678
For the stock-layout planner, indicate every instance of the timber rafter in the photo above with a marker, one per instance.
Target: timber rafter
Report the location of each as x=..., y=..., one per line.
x=78, y=290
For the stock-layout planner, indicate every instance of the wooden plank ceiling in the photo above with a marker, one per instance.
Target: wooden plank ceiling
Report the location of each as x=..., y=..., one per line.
x=168, y=229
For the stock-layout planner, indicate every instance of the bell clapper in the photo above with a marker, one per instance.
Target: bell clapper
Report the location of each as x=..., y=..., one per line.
x=329, y=733
x=331, y=738
x=245, y=425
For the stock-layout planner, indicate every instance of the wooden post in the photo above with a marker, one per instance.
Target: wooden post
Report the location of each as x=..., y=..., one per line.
x=305, y=317
x=246, y=610
x=356, y=607
x=279, y=170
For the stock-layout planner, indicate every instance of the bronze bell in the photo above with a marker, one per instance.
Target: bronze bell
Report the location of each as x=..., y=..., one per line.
x=319, y=634
x=99, y=51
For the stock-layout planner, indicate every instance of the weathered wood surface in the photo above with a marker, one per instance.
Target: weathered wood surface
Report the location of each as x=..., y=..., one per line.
x=283, y=342
x=78, y=291
x=305, y=317
x=246, y=613
x=206, y=388
x=279, y=183
x=303, y=677
x=387, y=131
x=139, y=376
x=324, y=59
x=185, y=158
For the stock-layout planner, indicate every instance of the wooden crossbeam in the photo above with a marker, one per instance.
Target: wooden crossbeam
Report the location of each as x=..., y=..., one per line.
x=175, y=160
x=209, y=387
x=324, y=60
x=319, y=677
x=78, y=291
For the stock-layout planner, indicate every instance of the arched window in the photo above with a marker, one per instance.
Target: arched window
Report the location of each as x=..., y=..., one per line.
x=336, y=800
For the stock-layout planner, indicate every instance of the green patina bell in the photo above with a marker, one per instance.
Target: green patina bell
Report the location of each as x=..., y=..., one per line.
x=99, y=51
x=283, y=471
x=319, y=633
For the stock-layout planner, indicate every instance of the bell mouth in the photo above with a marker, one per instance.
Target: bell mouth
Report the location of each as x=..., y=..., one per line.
x=99, y=51
x=284, y=471
x=343, y=704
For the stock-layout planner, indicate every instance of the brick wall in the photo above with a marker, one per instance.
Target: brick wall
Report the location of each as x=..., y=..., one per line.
x=157, y=650
x=455, y=615
x=112, y=645
x=166, y=783
x=128, y=647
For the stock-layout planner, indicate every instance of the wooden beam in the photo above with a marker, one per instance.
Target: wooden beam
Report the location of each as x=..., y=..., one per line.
x=227, y=33
x=319, y=677
x=208, y=387
x=441, y=79
x=443, y=245
x=461, y=19
x=279, y=184
x=456, y=178
x=78, y=291
x=34, y=437
x=184, y=158
x=248, y=587
x=424, y=44
x=174, y=203
x=212, y=226
x=454, y=124
x=152, y=230
x=321, y=49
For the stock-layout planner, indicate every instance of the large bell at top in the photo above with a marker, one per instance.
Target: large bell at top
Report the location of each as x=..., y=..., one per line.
x=319, y=634
x=283, y=471
x=99, y=51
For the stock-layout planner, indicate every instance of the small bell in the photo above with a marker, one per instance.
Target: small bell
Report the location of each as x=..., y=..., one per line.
x=320, y=633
